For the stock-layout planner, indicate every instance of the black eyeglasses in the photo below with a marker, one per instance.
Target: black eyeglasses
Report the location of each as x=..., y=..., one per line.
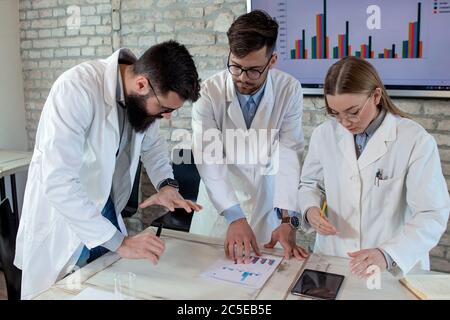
x=252, y=73
x=163, y=108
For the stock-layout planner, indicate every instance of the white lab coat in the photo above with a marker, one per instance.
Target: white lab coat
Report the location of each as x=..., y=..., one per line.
x=70, y=175
x=405, y=214
x=257, y=191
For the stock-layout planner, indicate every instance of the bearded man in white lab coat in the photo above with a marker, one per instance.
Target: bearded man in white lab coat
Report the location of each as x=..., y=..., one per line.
x=249, y=187
x=99, y=118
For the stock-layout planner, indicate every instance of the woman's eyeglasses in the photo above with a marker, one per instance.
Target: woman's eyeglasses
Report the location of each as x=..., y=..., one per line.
x=349, y=116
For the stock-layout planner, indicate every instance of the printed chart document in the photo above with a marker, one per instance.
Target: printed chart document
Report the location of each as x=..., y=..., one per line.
x=252, y=275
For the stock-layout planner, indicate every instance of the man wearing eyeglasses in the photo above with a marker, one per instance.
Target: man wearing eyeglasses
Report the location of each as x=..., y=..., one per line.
x=100, y=117
x=243, y=203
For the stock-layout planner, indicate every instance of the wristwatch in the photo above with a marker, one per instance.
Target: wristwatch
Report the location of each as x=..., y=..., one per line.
x=293, y=221
x=169, y=182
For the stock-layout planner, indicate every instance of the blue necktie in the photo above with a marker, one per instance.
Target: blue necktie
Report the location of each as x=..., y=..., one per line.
x=251, y=111
x=87, y=255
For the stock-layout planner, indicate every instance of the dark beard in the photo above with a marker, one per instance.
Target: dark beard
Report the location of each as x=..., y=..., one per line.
x=138, y=117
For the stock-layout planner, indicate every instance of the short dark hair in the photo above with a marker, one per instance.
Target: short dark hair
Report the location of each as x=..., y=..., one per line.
x=251, y=32
x=170, y=67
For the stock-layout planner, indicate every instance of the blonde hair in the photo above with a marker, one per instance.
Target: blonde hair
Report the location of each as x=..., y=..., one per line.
x=353, y=75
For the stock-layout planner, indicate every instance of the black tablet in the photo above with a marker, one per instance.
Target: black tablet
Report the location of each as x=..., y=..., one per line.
x=318, y=285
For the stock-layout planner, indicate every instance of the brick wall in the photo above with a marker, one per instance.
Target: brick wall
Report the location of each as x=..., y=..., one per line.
x=58, y=34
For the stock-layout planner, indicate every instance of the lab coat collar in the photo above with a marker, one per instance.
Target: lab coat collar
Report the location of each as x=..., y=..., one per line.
x=110, y=83
x=110, y=77
x=264, y=109
x=376, y=147
x=346, y=144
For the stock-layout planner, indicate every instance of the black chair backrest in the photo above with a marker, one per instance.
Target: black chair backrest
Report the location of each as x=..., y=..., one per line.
x=8, y=234
x=185, y=172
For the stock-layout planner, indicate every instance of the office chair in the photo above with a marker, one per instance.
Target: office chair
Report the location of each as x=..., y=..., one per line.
x=189, y=179
x=8, y=234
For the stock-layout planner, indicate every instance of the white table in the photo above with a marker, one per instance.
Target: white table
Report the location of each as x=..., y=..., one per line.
x=177, y=275
x=12, y=162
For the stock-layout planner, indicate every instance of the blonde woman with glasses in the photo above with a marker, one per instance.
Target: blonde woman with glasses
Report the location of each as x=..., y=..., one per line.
x=379, y=173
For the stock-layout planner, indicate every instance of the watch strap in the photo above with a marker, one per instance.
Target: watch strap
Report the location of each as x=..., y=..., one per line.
x=286, y=220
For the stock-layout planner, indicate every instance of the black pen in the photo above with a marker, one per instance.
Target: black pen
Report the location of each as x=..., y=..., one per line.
x=158, y=232
x=378, y=177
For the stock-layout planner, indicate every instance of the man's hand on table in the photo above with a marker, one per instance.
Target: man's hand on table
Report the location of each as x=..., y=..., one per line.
x=142, y=246
x=239, y=241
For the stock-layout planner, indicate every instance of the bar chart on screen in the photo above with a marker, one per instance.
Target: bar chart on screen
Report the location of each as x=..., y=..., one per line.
x=406, y=40
x=253, y=274
x=408, y=44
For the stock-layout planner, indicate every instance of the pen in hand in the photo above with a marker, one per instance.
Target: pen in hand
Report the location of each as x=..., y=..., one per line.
x=326, y=228
x=158, y=232
x=324, y=207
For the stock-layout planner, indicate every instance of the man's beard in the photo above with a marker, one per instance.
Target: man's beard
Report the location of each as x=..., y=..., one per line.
x=249, y=88
x=138, y=117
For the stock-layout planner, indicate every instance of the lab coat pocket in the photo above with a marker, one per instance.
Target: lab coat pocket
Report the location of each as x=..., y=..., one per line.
x=386, y=194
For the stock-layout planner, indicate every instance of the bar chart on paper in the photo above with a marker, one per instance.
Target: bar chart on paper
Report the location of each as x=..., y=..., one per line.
x=253, y=274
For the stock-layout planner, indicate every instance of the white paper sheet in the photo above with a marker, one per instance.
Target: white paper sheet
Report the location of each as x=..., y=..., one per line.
x=252, y=275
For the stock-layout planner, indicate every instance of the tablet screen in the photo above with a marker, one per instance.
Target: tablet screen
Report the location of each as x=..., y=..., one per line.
x=318, y=284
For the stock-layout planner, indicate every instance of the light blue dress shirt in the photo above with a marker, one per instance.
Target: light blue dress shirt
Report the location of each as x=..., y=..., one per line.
x=249, y=104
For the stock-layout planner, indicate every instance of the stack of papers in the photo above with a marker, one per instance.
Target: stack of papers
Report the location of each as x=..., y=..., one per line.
x=252, y=275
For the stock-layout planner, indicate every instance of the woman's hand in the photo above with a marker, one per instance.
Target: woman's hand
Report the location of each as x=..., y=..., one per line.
x=320, y=224
x=363, y=259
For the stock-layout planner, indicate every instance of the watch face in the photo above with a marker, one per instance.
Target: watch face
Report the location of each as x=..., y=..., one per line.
x=295, y=222
x=173, y=183
x=169, y=182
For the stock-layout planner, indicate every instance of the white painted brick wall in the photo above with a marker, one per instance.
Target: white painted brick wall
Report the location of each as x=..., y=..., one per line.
x=49, y=47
